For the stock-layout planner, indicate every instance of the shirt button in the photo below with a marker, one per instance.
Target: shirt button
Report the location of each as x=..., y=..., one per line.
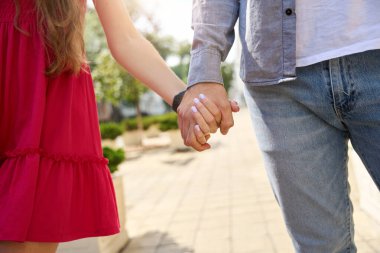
x=288, y=12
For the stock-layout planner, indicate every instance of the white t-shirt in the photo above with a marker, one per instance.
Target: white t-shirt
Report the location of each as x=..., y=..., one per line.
x=328, y=29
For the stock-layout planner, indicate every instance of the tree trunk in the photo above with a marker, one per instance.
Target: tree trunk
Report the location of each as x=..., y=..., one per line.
x=140, y=126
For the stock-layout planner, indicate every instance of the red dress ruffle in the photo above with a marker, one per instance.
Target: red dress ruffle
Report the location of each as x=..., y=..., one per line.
x=55, y=185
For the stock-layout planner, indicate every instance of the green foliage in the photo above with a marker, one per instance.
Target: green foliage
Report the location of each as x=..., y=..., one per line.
x=168, y=122
x=114, y=156
x=133, y=90
x=182, y=68
x=111, y=130
x=106, y=75
x=165, y=122
x=130, y=124
x=183, y=54
x=114, y=84
x=94, y=38
x=163, y=44
x=227, y=74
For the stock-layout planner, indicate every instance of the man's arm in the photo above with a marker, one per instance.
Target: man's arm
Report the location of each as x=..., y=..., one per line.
x=213, y=24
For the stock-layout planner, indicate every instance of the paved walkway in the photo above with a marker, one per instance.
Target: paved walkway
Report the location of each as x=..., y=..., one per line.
x=218, y=201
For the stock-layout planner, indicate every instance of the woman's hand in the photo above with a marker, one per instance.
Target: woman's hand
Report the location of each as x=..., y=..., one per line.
x=208, y=117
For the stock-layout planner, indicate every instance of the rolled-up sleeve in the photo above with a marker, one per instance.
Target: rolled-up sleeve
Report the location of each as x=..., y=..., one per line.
x=213, y=24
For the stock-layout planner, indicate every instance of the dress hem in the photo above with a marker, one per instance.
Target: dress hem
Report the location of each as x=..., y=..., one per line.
x=55, y=157
x=74, y=237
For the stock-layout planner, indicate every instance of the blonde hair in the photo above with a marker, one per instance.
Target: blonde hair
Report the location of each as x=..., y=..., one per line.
x=61, y=23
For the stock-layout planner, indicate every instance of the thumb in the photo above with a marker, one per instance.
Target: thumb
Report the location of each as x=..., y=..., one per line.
x=227, y=121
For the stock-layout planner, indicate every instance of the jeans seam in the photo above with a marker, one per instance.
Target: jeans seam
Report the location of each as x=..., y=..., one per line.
x=349, y=209
x=336, y=109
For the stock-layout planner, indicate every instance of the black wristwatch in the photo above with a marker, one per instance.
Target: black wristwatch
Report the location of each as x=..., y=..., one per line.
x=177, y=100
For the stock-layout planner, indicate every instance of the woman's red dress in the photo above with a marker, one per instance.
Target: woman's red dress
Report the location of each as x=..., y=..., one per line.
x=55, y=185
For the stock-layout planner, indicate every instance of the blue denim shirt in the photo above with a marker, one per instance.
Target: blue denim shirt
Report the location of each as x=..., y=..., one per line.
x=267, y=31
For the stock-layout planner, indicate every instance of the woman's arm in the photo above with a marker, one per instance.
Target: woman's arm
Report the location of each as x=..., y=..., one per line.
x=136, y=54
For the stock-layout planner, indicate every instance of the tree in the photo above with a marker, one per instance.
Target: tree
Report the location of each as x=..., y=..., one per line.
x=183, y=54
x=113, y=84
x=95, y=40
x=163, y=44
x=227, y=74
x=182, y=68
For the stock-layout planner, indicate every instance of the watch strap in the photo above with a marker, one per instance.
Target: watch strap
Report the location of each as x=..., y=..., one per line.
x=177, y=100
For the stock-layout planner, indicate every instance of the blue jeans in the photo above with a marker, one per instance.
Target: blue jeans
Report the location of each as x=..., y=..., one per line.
x=303, y=127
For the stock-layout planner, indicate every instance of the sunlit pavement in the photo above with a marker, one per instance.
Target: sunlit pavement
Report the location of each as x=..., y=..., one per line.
x=216, y=201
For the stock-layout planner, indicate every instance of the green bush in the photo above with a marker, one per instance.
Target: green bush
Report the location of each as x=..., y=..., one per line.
x=149, y=121
x=111, y=130
x=168, y=122
x=130, y=124
x=114, y=156
x=165, y=122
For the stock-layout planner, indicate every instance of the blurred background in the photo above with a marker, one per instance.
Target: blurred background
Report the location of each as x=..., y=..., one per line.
x=167, y=25
x=170, y=198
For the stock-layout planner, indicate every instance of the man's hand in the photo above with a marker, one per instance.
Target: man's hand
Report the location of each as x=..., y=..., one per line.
x=219, y=116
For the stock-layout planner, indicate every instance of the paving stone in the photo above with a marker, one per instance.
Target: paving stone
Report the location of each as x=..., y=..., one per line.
x=247, y=218
x=214, y=223
x=374, y=244
x=148, y=240
x=220, y=214
x=186, y=217
x=173, y=248
x=252, y=244
x=185, y=239
x=218, y=201
x=364, y=246
x=276, y=228
x=212, y=246
x=213, y=234
x=139, y=250
x=188, y=226
x=282, y=243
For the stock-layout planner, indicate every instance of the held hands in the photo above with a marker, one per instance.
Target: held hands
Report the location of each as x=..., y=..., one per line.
x=203, y=113
x=204, y=108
